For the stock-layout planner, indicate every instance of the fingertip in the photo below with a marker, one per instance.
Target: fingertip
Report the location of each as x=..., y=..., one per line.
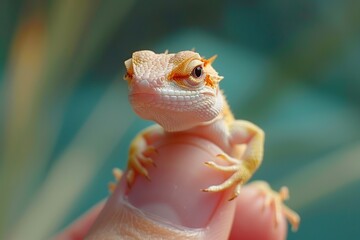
x=172, y=204
x=252, y=221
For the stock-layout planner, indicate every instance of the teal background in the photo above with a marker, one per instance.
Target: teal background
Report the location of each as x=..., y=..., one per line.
x=292, y=67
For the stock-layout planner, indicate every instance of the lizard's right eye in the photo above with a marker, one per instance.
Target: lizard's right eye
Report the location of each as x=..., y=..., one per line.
x=197, y=71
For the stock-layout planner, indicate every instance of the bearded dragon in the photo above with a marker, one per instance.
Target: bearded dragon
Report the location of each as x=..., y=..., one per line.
x=180, y=92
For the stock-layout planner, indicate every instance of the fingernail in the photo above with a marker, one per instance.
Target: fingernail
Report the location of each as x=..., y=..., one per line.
x=121, y=220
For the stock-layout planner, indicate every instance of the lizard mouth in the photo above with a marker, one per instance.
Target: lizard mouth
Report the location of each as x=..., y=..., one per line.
x=210, y=92
x=169, y=99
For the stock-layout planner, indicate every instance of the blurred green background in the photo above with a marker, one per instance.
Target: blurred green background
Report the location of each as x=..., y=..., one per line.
x=292, y=67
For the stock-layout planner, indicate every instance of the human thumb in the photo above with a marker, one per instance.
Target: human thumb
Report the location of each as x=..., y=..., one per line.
x=171, y=205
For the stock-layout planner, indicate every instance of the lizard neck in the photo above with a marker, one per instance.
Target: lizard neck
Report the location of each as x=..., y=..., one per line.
x=216, y=130
x=225, y=115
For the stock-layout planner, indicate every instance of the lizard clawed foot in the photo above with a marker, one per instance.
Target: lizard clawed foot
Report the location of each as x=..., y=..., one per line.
x=275, y=199
x=240, y=175
x=117, y=175
x=138, y=160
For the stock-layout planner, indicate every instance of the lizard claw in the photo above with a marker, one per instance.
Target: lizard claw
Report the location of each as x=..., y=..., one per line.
x=138, y=162
x=236, y=192
x=240, y=174
x=150, y=150
x=117, y=175
x=130, y=177
x=227, y=158
x=276, y=200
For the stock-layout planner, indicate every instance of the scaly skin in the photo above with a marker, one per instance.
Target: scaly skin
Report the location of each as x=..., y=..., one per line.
x=180, y=92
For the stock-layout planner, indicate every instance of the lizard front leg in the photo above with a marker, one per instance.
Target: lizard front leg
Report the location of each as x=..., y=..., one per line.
x=244, y=164
x=140, y=149
x=241, y=165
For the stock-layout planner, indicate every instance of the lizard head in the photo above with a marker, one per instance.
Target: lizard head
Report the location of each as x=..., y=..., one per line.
x=178, y=91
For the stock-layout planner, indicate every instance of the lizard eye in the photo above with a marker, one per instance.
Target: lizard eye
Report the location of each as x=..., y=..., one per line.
x=196, y=77
x=197, y=71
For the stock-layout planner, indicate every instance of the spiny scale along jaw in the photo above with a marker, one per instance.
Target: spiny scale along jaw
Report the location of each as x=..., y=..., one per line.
x=178, y=91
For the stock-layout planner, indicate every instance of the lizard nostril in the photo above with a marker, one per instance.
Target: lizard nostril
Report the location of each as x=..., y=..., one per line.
x=128, y=77
x=129, y=70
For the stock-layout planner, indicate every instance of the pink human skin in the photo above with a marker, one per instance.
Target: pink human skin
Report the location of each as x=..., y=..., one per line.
x=166, y=208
